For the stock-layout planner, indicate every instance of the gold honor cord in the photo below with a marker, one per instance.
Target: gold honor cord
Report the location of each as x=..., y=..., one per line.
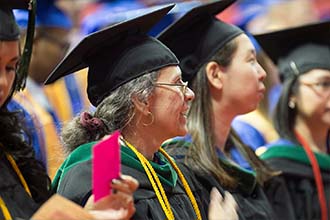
x=4, y=210
x=185, y=184
x=158, y=186
x=3, y=206
x=19, y=174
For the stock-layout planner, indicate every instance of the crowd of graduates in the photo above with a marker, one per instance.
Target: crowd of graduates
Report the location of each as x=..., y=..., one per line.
x=223, y=108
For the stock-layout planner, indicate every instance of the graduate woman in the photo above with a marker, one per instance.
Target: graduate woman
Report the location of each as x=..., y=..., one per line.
x=24, y=184
x=219, y=61
x=302, y=116
x=135, y=83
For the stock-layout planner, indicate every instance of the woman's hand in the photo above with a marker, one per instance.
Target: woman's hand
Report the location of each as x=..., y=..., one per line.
x=119, y=205
x=59, y=208
x=222, y=208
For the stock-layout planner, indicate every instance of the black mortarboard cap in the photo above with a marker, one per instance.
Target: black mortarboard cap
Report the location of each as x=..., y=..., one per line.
x=9, y=31
x=14, y=4
x=117, y=55
x=8, y=28
x=198, y=35
x=298, y=50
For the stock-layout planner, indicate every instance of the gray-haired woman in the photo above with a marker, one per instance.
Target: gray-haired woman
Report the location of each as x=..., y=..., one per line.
x=135, y=83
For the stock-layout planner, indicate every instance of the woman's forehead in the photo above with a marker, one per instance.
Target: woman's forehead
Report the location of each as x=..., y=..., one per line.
x=244, y=44
x=316, y=74
x=170, y=72
x=9, y=50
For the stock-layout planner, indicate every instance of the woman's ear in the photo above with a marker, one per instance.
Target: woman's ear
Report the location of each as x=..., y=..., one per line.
x=214, y=74
x=141, y=106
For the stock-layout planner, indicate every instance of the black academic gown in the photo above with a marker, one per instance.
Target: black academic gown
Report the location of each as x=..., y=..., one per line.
x=298, y=175
x=75, y=184
x=250, y=197
x=16, y=199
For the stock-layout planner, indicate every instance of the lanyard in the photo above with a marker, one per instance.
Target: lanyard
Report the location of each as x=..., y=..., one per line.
x=317, y=176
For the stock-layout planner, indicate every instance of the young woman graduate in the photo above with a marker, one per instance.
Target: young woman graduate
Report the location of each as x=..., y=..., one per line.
x=24, y=184
x=302, y=116
x=219, y=61
x=24, y=181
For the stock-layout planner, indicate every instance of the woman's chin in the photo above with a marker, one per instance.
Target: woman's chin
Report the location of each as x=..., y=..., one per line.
x=183, y=131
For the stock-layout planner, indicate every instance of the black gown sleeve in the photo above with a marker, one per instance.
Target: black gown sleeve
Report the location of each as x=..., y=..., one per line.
x=76, y=184
x=16, y=199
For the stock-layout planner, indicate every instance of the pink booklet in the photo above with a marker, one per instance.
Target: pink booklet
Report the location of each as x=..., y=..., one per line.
x=106, y=165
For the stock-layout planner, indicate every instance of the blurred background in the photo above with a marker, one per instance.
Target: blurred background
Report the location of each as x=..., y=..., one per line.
x=61, y=24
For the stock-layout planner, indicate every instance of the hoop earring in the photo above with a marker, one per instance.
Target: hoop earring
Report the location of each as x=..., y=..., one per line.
x=292, y=104
x=151, y=121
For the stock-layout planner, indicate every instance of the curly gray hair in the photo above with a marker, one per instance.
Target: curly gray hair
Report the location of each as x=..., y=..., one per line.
x=116, y=111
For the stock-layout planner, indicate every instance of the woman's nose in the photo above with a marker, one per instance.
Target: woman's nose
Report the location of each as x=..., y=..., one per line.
x=3, y=78
x=190, y=95
x=262, y=72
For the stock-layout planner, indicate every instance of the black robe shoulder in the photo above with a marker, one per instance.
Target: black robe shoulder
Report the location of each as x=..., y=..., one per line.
x=297, y=173
x=250, y=197
x=16, y=199
x=75, y=184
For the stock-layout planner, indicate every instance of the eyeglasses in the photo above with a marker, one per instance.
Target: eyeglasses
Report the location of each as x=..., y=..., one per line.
x=182, y=86
x=321, y=88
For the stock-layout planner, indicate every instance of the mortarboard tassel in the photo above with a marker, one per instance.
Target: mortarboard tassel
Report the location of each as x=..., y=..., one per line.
x=24, y=64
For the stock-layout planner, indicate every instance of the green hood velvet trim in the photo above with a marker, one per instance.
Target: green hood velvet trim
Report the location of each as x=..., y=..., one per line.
x=246, y=180
x=296, y=153
x=81, y=154
x=166, y=173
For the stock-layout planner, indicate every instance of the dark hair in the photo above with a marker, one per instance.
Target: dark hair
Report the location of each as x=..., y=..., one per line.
x=263, y=171
x=12, y=142
x=12, y=130
x=284, y=116
x=225, y=55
